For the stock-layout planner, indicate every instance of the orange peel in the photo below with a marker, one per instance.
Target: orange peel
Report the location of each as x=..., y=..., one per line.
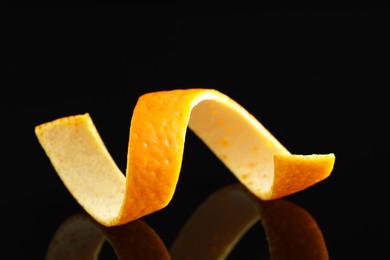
x=155, y=150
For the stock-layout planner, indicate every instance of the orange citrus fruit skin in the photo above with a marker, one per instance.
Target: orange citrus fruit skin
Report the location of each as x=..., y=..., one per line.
x=294, y=173
x=155, y=149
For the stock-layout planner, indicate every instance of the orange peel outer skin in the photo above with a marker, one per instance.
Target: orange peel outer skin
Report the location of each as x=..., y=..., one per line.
x=156, y=144
x=156, y=148
x=288, y=172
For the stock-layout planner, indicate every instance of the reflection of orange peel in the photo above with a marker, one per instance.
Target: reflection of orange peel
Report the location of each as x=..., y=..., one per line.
x=217, y=225
x=211, y=232
x=80, y=237
x=155, y=151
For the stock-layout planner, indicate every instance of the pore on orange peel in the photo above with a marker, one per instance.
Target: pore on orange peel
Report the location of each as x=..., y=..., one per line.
x=155, y=152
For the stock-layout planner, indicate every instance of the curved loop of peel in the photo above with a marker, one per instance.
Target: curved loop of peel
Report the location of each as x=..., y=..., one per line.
x=156, y=145
x=81, y=237
x=218, y=224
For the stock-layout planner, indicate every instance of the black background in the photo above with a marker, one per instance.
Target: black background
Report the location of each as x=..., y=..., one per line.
x=318, y=80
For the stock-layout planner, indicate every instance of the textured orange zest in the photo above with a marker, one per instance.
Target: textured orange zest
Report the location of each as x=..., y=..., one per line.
x=156, y=143
x=218, y=224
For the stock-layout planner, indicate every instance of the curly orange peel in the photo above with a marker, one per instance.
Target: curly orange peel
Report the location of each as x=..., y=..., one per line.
x=156, y=144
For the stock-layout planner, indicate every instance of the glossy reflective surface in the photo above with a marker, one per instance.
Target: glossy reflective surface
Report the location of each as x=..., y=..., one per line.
x=322, y=78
